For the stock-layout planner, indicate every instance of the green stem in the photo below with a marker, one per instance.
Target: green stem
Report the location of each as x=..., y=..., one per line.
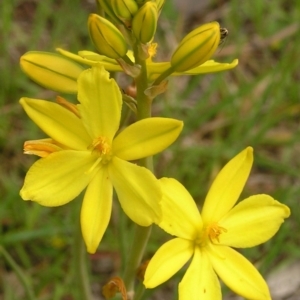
x=142, y=234
x=80, y=262
x=20, y=274
x=140, y=240
x=163, y=76
x=144, y=103
x=139, y=292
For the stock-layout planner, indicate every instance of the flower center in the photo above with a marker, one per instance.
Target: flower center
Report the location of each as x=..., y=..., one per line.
x=214, y=231
x=102, y=147
x=209, y=233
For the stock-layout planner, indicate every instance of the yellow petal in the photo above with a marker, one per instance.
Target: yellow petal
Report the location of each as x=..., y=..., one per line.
x=168, y=260
x=180, y=215
x=96, y=209
x=58, y=178
x=76, y=57
x=238, y=273
x=51, y=71
x=57, y=122
x=109, y=64
x=200, y=282
x=91, y=59
x=101, y=102
x=252, y=221
x=227, y=186
x=146, y=137
x=138, y=191
x=210, y=66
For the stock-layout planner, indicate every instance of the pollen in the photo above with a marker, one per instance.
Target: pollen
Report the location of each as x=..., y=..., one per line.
x=214, y=231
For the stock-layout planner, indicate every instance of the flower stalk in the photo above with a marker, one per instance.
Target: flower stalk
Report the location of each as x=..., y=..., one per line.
x=141, y=234
x=81, y=266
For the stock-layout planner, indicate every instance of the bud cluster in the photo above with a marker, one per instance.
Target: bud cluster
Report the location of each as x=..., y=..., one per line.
x=123, y=36
x=138, y=21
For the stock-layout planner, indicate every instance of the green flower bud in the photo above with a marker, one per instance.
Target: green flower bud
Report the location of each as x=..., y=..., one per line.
x=144, y=22
x=51, y=71
x=196, y=47
x=124, y=9
x=160, y=4
x=107, y=38
x=105, y=5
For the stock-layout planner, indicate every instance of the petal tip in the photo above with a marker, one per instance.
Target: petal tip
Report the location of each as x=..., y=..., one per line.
x=24, y=194
x=249, y=150
x=249, y=153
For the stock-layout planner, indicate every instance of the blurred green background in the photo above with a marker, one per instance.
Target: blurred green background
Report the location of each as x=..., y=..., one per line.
x=256, y=104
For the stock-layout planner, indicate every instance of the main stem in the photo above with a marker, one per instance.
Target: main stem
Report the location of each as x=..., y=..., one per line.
x=80, y=262
x=142, y=234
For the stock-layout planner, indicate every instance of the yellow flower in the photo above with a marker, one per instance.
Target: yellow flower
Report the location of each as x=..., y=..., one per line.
x=208, y=238
x=85, y=149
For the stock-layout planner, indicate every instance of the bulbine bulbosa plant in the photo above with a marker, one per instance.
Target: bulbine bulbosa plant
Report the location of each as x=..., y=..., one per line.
x=91, y=147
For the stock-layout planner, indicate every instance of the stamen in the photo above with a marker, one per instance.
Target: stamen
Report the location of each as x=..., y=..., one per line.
x=68, y=105
x=102, y=147
x=92, y=168
x=214, y=231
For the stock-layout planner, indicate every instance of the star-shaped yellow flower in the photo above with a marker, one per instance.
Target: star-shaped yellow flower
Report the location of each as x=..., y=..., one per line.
x=85, y=149
x=208, y=238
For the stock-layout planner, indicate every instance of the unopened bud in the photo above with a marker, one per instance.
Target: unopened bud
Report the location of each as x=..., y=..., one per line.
x=160, y=4
x=106, y=37
x=51, y=71
x=124, y=9
x=144, y=22
x=105, y=5
x=196, y=47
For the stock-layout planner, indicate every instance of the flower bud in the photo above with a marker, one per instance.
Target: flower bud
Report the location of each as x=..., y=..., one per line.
x=196, y=47
x=105, y=5
x=51, y=71
x=106, y=37
x=144, y=22
x=124, y=9
x=160, y=4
